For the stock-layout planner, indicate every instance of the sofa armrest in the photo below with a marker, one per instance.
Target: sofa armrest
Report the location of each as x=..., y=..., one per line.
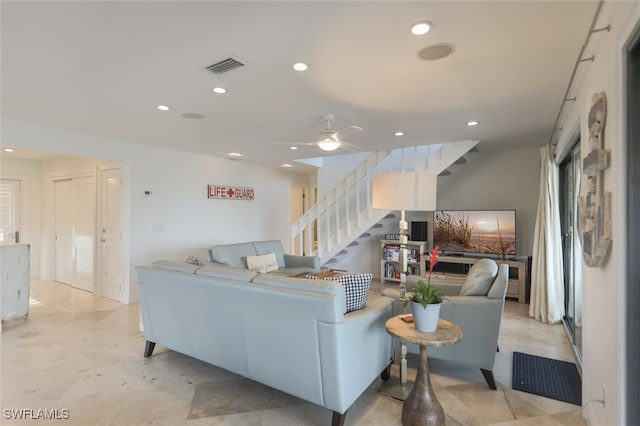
x=354, y=352
x=292, y=260
x=172, y=265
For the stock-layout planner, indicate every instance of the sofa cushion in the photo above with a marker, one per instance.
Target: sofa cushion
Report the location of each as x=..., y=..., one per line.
x=232, y=254
x=480, y=277
x=356, y=289
x=271, y=246
x=293, y=271
x=172, y=265
x=263, y=264
x=216, y=270
x=293, y=283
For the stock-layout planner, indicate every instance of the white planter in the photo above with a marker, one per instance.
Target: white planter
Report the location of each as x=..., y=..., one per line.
x=425, y=319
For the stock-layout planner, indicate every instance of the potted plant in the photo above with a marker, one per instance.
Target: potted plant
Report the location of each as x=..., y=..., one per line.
x=426, y=300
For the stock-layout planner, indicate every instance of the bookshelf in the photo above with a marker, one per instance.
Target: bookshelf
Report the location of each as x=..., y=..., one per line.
x=390, y=259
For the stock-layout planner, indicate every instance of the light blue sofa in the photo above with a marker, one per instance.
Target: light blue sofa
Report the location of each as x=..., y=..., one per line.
x=288, y=333
x=288, y=264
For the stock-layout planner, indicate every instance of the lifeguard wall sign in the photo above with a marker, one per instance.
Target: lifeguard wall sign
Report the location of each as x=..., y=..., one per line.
x=230, y=192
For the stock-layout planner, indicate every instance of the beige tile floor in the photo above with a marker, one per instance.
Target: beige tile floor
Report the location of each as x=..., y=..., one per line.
x=82, y=353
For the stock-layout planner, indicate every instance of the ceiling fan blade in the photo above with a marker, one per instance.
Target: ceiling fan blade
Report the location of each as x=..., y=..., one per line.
x=349, y=129
x=350, y=147
x=346, y=131
x=292, y=144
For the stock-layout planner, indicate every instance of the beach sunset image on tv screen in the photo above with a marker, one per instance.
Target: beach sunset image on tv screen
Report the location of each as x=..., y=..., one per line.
x=475, y=231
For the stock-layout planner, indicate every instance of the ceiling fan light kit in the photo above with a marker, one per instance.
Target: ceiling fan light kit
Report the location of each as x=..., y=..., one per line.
x=328, y=144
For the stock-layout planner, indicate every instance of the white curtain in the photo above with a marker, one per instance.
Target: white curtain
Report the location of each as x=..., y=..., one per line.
x=547, y=287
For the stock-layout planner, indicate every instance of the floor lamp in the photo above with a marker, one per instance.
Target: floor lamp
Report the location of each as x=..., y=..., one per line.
x=404, y=191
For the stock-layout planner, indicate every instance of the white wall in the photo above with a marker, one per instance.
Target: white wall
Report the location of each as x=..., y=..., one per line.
x=603, y=308
x=494, y=181
x=178, y=180
x=29, y=173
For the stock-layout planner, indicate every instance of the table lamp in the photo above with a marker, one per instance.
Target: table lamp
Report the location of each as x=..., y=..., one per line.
x=404, y=191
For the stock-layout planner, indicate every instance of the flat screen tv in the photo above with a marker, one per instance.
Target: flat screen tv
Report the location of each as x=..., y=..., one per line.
x=475, y=231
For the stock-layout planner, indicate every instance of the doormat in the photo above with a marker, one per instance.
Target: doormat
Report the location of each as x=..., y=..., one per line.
x=547, y=377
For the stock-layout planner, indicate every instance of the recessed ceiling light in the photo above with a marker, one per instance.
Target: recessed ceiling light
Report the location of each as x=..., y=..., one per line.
x=164, y=107
x=300, y=66
x=287, y=165
x=472, y=123
x=8, y=150
x=219, y=90
x=399, y=133
x=421, y=28
x=293, y=147
x=234, y=155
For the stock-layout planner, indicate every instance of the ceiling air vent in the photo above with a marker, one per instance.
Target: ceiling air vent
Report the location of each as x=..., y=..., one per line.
x=225, y=65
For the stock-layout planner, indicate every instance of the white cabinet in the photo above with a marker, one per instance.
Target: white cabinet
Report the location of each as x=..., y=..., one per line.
x=14, y=271
x=390, y=259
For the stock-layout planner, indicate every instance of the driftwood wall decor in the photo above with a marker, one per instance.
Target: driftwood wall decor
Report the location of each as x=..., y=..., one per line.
x=595, y=206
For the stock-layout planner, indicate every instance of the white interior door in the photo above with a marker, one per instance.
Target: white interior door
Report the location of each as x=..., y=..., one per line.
x=9, y=210
x=111, y=238
x=84, y=235
x=297, y=210
x=64, y=230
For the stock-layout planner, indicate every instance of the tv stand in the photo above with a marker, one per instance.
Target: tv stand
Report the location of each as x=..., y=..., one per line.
x=517, y=288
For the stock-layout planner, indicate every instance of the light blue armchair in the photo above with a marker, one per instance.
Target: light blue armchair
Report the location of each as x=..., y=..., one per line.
x=477, y=309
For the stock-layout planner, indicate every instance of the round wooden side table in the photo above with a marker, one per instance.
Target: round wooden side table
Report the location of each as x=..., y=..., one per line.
x=421, y=407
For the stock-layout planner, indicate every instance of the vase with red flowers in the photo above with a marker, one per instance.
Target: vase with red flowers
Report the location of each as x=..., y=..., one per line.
x=426, y=300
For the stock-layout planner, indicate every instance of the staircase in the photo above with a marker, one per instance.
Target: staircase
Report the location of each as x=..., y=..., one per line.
x=343, y=218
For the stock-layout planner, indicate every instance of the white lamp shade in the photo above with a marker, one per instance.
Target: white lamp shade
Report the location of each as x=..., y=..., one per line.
x=404, y=191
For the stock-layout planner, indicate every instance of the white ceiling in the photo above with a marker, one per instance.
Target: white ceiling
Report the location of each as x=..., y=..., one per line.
x=103, y=67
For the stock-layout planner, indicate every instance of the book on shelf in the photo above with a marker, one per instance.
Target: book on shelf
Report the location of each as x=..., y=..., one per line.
x=391, y=253
x=390, y=271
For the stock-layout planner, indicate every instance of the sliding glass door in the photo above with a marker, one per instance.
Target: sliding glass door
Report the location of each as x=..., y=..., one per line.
x=571, y=251
x=633, y=229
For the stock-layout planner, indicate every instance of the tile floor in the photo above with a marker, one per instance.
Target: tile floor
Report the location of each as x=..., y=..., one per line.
x=83, y=354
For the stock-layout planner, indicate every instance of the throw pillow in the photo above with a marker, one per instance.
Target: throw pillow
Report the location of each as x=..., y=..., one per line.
x=192, y=260
x=480, y=278
x=262, y=264
x=356, y=289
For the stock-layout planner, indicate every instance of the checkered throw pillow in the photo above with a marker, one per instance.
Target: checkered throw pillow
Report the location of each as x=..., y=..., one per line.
x=194, y=260
x=356, y=289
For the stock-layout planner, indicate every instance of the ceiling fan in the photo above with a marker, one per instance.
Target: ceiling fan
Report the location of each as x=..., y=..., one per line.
x=330, y=140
